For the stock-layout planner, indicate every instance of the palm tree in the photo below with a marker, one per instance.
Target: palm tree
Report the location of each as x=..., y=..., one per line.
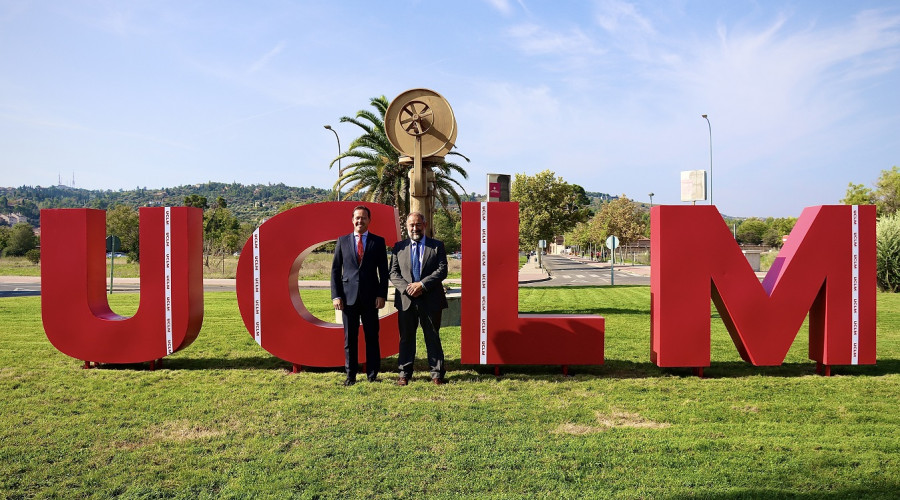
x=377, y=174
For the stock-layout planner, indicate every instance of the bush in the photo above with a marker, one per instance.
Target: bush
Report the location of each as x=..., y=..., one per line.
x=21, y=239
x=33, y=255
x=887, y=244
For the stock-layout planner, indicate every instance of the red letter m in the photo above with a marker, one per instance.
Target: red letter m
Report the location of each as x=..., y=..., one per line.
x=826, y=269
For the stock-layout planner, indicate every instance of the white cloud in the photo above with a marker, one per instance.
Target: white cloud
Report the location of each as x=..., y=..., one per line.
x=606, y=93
x=785, y=99
x=805, y=79
x=262, y=61
x=535, y=40
x=119, y=19
x=502, y=6
x=616, y=17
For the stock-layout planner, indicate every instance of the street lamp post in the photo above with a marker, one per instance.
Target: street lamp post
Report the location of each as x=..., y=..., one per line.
x=710, y=157
x=340, y=170
x=651, y=207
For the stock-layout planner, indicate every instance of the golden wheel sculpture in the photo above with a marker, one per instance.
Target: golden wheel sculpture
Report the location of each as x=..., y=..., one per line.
x=416, y=121
x=437, y=137
x=419, y=123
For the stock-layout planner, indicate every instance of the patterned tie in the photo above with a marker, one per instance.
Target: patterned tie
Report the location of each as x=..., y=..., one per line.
x=359, y=249
x=415, y=263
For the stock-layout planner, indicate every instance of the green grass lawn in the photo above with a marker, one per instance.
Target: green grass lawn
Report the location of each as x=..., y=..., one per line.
x=223, y=418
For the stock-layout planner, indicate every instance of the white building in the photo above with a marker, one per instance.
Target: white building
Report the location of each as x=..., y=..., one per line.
x=13, y=219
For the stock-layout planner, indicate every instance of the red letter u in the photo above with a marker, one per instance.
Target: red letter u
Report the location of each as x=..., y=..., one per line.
x=76, y=314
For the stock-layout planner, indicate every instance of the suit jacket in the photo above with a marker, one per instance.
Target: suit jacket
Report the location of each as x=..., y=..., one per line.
x=433, y=272
x=359, y=283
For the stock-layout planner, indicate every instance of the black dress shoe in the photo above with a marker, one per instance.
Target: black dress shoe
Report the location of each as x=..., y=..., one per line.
x=349, y=381
x=373, y=379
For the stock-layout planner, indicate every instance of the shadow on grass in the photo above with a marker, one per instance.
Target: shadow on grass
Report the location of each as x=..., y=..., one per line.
x=616, y=369
x=388, y=364
x=881, y=489
x=242, y=363
x=590, y=287
x=600, y=311
x=728, y=369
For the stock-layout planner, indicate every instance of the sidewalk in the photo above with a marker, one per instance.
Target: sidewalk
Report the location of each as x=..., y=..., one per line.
x=530, y=272
x=633, y=269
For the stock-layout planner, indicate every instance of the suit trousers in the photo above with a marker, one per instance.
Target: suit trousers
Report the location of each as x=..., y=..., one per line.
x=369, y=316
x=409, y=320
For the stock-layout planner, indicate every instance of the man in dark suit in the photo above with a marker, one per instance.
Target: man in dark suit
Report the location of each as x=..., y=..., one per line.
x=418, y=266
x=359, y=283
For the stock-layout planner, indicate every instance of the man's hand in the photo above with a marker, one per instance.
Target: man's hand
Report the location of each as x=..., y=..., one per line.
x=338, y=304
x=415, y=289
x=379, y=302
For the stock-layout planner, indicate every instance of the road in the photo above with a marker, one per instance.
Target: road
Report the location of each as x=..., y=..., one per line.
x=23, y=286
x=19, y=286
x=576, y=271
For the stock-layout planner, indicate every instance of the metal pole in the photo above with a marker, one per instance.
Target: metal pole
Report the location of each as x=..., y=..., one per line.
x=612, y=266
x=112, y=242
x=705, y=117
x=112, y=266
x=340, y=170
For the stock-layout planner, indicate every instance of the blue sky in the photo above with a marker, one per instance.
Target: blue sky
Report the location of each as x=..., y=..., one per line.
x=802, y=96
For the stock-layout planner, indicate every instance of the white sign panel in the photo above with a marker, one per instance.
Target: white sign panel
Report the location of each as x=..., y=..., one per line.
x=693, y=185
x=612, y=242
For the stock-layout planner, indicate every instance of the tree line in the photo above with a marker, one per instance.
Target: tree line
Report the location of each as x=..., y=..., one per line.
x=549, y=207
x=885, y=195
x=250, y=203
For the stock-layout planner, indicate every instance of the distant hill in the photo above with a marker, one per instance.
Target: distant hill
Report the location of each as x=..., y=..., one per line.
x=249, y=203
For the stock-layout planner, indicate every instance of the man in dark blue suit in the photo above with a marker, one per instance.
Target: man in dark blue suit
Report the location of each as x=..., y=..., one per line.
x=359, y=283
x=418, y=266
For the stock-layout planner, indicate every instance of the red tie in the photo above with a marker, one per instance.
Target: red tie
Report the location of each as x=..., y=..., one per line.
x=359, y=249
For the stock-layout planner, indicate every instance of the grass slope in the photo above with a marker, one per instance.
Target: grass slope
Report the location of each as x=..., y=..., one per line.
x=225, y=419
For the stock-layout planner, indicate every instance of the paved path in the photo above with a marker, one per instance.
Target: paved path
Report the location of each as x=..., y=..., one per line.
x=578, y=271
x=21, y=286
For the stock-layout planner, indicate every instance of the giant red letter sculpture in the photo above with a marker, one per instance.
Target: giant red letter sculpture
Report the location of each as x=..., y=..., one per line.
x=76, y=314
x=267, y=291
x=826, y=268
x=493, y=331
